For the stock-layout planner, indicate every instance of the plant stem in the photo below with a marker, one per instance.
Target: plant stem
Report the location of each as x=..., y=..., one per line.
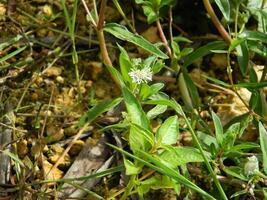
x=214, y=176
x=89, y=13
x=116, y=3
x=216, y=21
x=163, y=38
x=236, y=20
x=100, y=34
x=129, y=187
x=103, y=48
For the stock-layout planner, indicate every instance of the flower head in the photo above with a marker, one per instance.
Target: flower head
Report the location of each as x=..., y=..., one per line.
x=141, y=75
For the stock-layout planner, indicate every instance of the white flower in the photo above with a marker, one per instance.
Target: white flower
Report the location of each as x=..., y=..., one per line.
x=251, y=166
x=141, y=75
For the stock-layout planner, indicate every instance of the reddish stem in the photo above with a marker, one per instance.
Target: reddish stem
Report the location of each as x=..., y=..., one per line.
x=216, y=21
x=163, y=38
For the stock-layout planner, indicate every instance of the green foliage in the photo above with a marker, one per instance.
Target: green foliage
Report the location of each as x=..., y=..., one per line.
x=159, y=148
x=167, y=134
x=152, y=8
x=177, y=156
x=122, y=33
x=263, y=143
x=224, y=7
x=218, y=128
x=203, y=51
x=97, y=110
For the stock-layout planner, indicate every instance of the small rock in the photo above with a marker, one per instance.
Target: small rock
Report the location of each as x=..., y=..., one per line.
x=151, y=34
x=34, y=96
x=111, y=14
x=76, y=148
x=93, y=70
x=2, y=12
x=22, y=148
x=100, y=92
x=54, y=134
x=47, y=10
x=42, y=32
x=70, y=131
x=219, y=60
x=37, y=147
x=51, y=175
x=53, y=71
x=55, y=153
x=60, y=79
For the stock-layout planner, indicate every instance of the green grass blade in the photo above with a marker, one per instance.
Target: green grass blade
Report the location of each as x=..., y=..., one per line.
x=12, y=54
x=263, y=143
x=163, y=169
x=66, y=13
x=173, y=104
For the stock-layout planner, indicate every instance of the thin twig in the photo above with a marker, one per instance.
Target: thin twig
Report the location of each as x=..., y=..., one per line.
x=83, y=129
x=101, y=16
x=216, y=21
x=163, y=38
x=89, y=14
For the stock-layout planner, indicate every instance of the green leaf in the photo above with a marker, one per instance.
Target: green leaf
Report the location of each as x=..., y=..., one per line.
x=253, y=78
x=131, y=168
x=140, y=138
x=97, y=110
x=255, y=102
x=158, y=182
x=125, y=65
x=243, y=57
x=235, y=172
x=252, y=85
x=263, y=143
x=186, y=51
x=176, y=49
x=191, y=87
x=235, y=43
x=171, y=103
x=135, y=111
x=245, y=146
x=257, y=47
x=163, y=169
x=203, y=51
x=146, y=90
x=122, y=33
x=168, y=131
x=217, y=81
x=218, y=128
x=157, y=110
x=116, y=75
x=150, y=13
x=181, y=39
x=208, y=140
x=230, y=136
x=224, y=7
x=254, y=35
x=157, y=67
x=177, y=156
